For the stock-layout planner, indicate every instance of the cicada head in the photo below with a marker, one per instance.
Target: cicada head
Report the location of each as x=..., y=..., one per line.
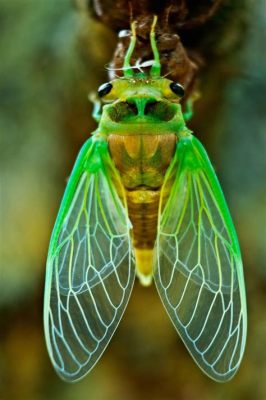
x=141, y=101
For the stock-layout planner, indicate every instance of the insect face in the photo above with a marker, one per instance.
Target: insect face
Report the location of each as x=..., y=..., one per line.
x=141, y=102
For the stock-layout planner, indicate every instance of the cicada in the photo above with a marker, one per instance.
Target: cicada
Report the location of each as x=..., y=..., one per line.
x=143, y=200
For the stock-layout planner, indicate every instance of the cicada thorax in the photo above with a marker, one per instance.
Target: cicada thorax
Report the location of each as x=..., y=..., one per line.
x=142, y=159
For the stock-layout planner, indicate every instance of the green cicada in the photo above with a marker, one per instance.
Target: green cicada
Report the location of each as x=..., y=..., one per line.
x=143, y=199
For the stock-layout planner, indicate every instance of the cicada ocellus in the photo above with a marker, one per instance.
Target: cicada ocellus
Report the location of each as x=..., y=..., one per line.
x=143, y=199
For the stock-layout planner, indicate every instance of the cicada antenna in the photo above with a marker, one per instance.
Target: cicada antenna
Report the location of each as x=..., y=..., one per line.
x=128, y=70
x=156, y=67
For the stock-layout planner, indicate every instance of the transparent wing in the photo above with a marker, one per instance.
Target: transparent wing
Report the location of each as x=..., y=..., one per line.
x=90, y=272
x=198, y=271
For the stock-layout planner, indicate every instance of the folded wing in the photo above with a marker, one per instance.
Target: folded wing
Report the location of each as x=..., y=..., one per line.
x=90, y=272
x=198, y=272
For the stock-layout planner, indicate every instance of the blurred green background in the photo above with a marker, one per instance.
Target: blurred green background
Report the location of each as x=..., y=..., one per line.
x=52, y=55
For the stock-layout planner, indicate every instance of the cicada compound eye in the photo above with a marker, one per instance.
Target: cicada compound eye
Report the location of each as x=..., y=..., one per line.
x=104, y=89
x=177, y=89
